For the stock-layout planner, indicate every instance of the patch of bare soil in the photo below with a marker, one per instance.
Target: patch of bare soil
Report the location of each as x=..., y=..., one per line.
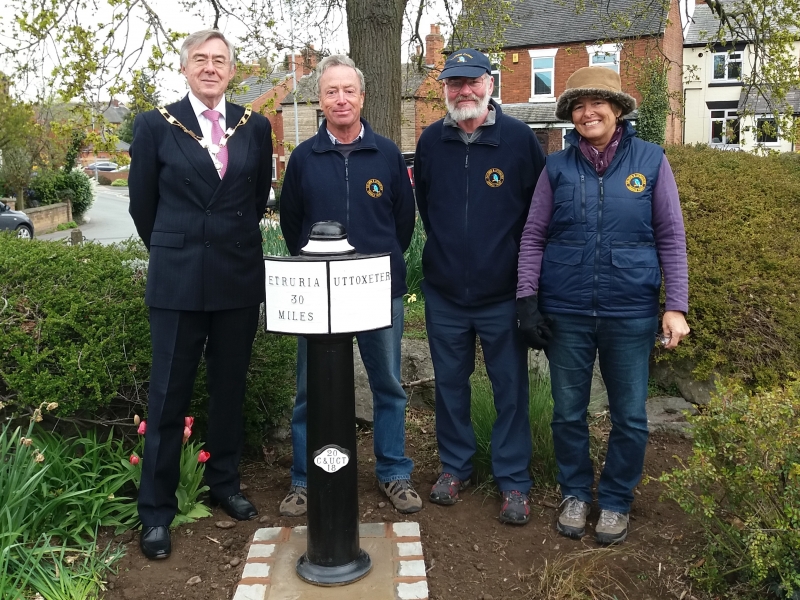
x=468, y=552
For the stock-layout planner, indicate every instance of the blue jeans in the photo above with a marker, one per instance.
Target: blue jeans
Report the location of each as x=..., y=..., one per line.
x=451, y=334
x=624, y=346
x=380, y=351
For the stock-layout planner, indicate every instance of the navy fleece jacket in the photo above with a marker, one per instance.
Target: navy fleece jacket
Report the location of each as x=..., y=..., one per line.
x=474, y=200
x=368, y=192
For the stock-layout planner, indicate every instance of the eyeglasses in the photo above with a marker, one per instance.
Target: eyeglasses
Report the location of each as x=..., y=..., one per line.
x=456, y=83
x=217, y=61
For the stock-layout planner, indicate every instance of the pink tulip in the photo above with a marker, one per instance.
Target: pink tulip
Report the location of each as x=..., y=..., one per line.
x=187, y=432
x=142, y=428
x=134, y=460
x=188, y=421
x=203, y=456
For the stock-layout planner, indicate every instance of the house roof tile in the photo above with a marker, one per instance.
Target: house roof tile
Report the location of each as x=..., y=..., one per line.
x=547, y=22
x=253, y=87
x=704, y=27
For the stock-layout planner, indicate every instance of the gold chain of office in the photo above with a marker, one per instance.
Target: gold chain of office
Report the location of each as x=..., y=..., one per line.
x=212, y=148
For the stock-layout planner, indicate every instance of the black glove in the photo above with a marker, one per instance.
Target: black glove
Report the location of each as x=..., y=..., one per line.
x=533, y=327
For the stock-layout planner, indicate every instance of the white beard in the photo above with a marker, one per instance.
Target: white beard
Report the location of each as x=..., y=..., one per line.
x=468, y=112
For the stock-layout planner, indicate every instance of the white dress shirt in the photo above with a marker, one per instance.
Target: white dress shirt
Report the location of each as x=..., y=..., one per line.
x=205, y=123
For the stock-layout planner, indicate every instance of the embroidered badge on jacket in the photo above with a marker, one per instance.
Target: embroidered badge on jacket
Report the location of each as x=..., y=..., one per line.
x=494, y=178
x=636, y=182
x=375, y=188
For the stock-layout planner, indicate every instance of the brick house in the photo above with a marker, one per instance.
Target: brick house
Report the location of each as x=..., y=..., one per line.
x=266, y=92
x=549, y=42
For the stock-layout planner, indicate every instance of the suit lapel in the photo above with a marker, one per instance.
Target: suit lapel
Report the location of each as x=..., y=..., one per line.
x=197, y=156
x=238, y=145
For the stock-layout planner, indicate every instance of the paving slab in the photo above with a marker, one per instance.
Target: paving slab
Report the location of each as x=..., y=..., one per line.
x=398, y=566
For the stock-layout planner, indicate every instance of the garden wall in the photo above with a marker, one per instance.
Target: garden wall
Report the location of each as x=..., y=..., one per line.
x=45, y=218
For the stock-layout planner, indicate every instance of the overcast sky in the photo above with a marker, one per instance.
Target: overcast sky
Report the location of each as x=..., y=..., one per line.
x=172, y=84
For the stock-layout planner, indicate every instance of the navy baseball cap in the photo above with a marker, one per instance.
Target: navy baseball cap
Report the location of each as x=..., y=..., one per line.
x=466, y=63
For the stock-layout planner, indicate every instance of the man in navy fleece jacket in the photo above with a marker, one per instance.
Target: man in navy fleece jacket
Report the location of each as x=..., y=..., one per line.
x=475, y=172
x=348, y=173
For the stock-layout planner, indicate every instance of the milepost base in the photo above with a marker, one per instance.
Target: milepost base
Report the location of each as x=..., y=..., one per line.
x=334, y=576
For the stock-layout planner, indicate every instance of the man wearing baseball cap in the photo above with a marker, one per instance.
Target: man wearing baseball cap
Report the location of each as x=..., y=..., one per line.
x=475, y=172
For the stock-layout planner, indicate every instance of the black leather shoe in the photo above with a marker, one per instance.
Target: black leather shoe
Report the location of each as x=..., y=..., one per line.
x=155, y=542
x=236, y=506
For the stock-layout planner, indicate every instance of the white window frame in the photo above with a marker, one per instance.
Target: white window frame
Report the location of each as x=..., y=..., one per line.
x=274, y=167
x=605, y=50
x=766, y=117
x=728, y=61
x=543, y=53
x=496, y=60
x=730, y=113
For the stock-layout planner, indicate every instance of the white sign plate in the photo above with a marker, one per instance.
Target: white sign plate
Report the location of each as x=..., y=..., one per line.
x=361, y=294
x=331, y=459
x=297, y=296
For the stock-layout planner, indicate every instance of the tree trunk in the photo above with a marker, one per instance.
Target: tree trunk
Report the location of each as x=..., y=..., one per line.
x=375, y=33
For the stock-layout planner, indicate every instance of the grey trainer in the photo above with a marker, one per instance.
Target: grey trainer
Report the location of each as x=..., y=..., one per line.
x=402, y=495
x=612, y=527
x=296, y=502
x=572, y=520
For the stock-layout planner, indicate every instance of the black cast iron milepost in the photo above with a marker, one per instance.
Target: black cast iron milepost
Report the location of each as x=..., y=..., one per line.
x=328, y=294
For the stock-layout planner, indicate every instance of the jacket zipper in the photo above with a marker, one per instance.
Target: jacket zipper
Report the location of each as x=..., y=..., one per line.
x=597, y=248
x=583, y=198
x=466, y=226
x=347, y=190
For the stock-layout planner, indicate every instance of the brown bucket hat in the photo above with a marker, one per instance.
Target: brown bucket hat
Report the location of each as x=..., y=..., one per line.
x=600, y=82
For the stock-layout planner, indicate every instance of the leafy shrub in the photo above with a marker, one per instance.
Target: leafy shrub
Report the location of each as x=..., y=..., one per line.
x=413, y=258
x=80, y=185
x=50, y=187
x=119, y=183
x=742, y=216
x=103, y=180
x=742, y=485
x=75, y=331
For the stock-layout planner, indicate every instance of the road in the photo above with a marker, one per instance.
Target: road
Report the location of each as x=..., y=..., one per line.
x=107, y=221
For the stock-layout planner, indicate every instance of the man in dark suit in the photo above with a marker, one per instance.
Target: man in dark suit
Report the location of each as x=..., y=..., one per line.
x=197, y=196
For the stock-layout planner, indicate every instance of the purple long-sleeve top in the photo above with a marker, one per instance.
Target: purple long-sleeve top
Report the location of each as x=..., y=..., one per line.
x=668, y=230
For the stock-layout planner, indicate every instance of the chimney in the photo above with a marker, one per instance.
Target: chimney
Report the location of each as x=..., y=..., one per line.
x=309, y=59
x=434, y=45
x=114, y=102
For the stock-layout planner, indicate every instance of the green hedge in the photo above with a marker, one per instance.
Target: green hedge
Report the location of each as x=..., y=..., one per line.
x=742, y=215
x=75, y=331
x=51, y=187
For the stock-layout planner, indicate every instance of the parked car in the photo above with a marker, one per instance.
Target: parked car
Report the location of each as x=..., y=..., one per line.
x=101, y=165
x=122, y=169
x=15, y=220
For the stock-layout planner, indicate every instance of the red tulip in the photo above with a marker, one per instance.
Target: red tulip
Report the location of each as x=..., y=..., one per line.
x=134, y=460
x=203, y=456
x=188, y=421
x=142, y=428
